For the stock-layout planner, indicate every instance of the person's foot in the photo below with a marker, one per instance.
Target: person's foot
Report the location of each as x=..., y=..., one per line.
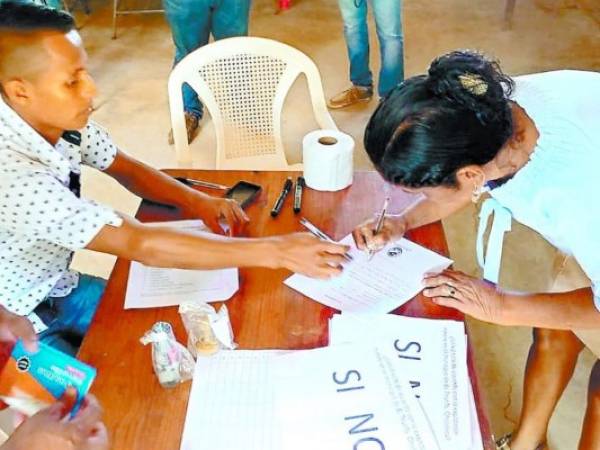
x=351, y=96
x=191, y=124
x=504, y=443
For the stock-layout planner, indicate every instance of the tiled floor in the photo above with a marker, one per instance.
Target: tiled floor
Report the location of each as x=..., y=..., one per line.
x=132, y=71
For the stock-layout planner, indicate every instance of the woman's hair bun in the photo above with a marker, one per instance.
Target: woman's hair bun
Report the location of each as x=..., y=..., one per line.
x=472, y=81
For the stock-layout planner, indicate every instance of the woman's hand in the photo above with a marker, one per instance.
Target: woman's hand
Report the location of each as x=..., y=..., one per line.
x=472, y=296
x=393, y=228
x=213, y=210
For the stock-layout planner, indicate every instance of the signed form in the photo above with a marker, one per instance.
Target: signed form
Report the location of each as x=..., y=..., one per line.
x=392, y=277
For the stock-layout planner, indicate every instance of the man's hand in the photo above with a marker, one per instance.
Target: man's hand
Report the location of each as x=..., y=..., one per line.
x=14, y=327
x=472, y=296
x=212, y=210
x=305, y=254
x=51, y=429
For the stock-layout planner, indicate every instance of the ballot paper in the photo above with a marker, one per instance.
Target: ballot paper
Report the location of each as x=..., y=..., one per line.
x=333, y=398
x=392, y=277
x=432, y=354
x=152, y=287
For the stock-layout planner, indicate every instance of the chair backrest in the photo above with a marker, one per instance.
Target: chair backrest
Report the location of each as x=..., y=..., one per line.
x=243, y=82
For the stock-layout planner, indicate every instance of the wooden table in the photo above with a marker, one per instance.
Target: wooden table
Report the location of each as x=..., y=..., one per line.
x=264, y=313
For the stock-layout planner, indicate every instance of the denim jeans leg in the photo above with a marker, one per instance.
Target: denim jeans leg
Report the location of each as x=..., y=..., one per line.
x=388, y=21
x=74, y=314
x=356, y=32
x=230, y=19
x=190, y=27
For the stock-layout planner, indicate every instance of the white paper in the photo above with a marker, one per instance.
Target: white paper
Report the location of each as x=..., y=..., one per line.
x=329, y=398
x=432, y=354
x=349, y=396
x=392, y=277
x=152, y=287
x=232, y=404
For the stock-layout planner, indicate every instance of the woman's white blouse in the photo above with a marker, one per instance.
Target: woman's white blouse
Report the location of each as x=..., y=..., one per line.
x=557, y=193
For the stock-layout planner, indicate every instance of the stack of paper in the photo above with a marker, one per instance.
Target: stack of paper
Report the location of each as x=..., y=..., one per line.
x=392, y=277
x=432, y=354
x=151, y=287
x=335, y=398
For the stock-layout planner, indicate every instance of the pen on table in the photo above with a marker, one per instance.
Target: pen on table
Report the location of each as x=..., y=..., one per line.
x=379, y=225
x=287, y=187
x=318, y=233
x=201, y=183
x=298, y=194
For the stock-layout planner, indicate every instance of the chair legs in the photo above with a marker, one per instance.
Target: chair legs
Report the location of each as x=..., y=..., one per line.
x=114, y=18
x=509, y=10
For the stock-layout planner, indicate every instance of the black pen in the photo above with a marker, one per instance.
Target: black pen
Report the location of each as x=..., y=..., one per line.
x=298, y=194
x=287, y=187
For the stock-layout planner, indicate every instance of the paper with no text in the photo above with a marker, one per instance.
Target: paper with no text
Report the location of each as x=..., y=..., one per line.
x=152, y=287
x=392, y=277
x=231, y=403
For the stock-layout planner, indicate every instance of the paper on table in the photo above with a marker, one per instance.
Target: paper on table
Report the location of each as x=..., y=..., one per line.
x=152, y=287
x=231, y=403
x=392, y=277
x=349, y=396
x=433, y=356
x=327, y=398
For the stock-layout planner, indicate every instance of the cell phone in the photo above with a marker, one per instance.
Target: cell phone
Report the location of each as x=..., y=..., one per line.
x=243, y=193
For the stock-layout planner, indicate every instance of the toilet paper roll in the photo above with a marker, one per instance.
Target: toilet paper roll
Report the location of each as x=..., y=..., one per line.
x=328, y=160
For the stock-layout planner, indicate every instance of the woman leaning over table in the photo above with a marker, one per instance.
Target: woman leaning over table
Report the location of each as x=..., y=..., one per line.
x=534, y=143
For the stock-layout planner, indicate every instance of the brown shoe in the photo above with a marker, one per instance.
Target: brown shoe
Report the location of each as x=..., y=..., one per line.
x=352, y=96
x=191, y=124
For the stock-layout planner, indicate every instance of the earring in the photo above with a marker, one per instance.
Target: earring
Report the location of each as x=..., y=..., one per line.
x=476, y=195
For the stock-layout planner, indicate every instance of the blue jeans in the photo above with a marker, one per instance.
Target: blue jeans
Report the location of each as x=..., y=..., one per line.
x=70, y=317
x=193, y=21
x=388, y=22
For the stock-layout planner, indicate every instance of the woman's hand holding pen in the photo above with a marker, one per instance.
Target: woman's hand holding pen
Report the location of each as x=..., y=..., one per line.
x=393, y=228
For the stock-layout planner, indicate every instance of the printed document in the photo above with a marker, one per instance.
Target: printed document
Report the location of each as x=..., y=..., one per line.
x=153, y=287
x=392, y=277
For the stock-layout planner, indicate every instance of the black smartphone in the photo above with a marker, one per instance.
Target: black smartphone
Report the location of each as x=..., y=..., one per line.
x=243, y=193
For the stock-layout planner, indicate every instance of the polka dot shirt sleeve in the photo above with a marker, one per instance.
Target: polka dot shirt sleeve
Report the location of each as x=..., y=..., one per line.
x=39, y=206
x=97, y=148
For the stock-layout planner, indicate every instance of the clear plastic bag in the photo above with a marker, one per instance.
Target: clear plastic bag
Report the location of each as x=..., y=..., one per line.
x=208, y=331
x=172, y=362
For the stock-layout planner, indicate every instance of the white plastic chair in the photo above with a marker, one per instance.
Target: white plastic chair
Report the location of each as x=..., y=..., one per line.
x=243, y=82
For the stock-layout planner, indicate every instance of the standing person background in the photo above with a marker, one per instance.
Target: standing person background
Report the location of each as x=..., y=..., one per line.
x=388, y=24
x=192, y=23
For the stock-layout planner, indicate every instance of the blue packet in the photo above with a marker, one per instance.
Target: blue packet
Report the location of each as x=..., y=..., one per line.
x=31, y=381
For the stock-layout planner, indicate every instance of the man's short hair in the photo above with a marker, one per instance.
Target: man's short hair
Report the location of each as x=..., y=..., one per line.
x=26, y=17
x=20, y=23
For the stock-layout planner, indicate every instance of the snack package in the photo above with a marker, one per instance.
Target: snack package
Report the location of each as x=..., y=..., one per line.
x=208, y=331
x=173, y=363
x=31, y=381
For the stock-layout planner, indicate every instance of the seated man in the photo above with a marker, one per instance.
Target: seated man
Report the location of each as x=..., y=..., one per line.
x=46, y=91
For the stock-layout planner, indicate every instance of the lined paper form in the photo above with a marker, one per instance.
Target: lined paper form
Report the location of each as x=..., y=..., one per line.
x=232, y=403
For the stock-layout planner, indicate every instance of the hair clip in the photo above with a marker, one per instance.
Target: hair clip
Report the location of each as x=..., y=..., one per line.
x=473, y=83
